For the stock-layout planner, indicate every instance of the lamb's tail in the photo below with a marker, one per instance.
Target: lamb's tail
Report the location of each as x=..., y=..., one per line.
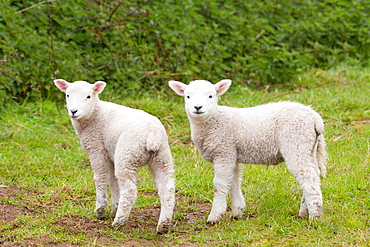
x=154, y=142
x=321, y=154
x=321, y=146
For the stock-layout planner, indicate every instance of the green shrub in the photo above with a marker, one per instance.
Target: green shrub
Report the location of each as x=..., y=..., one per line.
x=142, y=44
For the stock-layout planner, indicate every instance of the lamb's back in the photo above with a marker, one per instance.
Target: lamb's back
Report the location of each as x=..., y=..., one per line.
x=253, y=135
x=129, y=126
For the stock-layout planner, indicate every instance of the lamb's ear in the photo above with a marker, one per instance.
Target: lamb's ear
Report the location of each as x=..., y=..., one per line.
x=61, y=84
x=222, y=86
x=99, y=86
x=178, y=87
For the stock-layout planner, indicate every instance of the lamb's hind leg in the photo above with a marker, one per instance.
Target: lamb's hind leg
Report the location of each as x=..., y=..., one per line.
x=309, y=179
x=236, y=195
x=303, y=210
x=165, y=183
x=224, y=174
x=127, y=180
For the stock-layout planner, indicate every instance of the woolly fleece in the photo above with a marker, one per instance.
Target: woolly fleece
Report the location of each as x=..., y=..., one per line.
x=118, y=140
x=267, y=134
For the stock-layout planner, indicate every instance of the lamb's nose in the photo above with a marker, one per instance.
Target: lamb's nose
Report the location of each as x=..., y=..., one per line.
x=197, y=107
x=73, y=111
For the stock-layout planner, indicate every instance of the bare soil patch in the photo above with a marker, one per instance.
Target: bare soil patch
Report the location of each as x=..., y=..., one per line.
x=9, y=212
x=145, y=219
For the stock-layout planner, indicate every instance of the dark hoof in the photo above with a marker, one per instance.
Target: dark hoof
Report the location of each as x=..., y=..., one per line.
x=212, y=223
x=100, y=214
x=164, y=227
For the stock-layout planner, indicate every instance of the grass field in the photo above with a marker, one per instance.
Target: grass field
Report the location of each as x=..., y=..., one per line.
x=47, y=194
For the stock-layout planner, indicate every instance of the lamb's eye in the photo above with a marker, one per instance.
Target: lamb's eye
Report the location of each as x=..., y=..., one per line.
x=88, y=97
x=188, y=97
x=210, y=96
x=67, y=95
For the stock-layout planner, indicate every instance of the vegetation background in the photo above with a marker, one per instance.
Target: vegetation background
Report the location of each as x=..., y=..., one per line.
x=313, y=52
x=143, y=44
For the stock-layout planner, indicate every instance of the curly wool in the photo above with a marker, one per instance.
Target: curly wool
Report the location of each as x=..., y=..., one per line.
x=267, y=134
x=118, y=140
x=258, y=133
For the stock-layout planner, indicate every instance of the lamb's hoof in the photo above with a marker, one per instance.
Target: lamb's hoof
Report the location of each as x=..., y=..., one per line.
x=164, y=227
x=100, y=213
x=237, y=216
x=314, y=217
x=118, y=221
x=212, y=222
x=116, y=224
x=310, y=217
x=303, y=213
x=238, y=212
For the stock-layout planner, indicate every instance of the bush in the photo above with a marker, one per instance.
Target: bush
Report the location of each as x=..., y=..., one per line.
x=143, y=44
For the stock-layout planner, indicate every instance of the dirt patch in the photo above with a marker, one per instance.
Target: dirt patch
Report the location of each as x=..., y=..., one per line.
x=192, y=217
x=35, y=242
x=74, y=225
x=9, y=212
x=13, y=205
x=362, y=121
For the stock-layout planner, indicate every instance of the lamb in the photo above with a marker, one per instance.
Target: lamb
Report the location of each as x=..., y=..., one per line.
x=118, y=140
x=267, y=134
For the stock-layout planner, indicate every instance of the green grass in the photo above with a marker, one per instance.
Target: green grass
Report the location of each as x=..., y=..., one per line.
x=48, y=185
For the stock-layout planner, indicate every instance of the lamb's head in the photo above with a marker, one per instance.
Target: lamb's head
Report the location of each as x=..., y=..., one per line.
x=200, y=97
x=81, y=96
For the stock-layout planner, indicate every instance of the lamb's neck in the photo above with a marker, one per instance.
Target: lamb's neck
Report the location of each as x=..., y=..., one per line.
x=81, y=125
x=199, y=128
x=196, y=128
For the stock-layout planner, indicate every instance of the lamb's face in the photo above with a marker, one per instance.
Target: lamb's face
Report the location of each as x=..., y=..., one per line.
x=81, y=97
x=200, y=97
x=200, y=100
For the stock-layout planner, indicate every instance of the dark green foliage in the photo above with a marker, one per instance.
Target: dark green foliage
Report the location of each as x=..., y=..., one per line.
x=143, y=44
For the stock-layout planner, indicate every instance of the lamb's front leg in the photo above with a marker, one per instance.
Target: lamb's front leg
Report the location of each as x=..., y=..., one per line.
x=224, y=174
x=114, y=188
x=100, y=166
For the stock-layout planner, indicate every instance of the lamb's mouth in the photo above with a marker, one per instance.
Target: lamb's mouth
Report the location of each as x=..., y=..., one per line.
x=198, y=113
x=75, y=116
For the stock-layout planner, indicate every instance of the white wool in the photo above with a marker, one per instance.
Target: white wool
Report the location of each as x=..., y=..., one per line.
x=118, y=140
x=267, y=134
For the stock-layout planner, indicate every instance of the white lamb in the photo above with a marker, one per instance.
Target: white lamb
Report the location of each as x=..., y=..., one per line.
x=118, y=140
x=266, y=134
